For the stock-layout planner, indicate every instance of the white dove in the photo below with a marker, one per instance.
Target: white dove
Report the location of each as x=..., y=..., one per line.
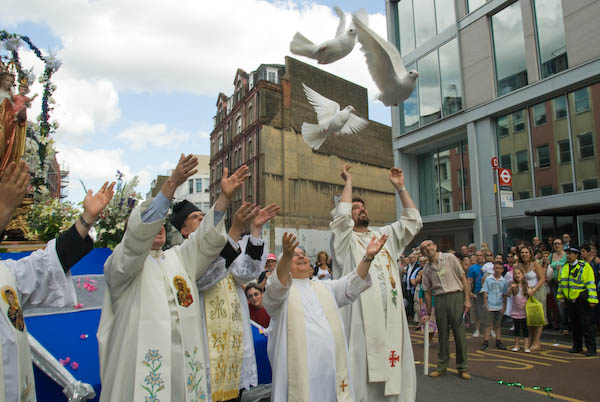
x=385, y=65
x=331, y=119
x=331, y=50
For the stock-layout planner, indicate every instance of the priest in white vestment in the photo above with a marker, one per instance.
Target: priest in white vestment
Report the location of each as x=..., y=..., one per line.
x=150, y=340
x=307, y=346
x=381, y=356
x=230, y=346
x=41, y=279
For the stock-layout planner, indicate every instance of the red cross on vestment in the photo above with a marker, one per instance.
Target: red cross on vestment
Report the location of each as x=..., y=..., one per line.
x=394, y=358
x=343, y=386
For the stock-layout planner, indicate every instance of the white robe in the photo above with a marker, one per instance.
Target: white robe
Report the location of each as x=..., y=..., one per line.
x=321, y=359
x=244, y=269
x=40, y=281
x=118, y=329
x=346, y=256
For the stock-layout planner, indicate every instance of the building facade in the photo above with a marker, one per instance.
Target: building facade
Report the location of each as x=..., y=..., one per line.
x=197, y=188
x=260, y=125
x=517, y=80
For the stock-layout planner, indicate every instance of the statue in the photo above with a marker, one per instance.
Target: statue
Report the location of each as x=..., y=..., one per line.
x=13, y=120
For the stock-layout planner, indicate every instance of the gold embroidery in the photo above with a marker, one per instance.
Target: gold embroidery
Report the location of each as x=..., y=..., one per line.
x=219, y=339
x=217, y=309
x=236, y=314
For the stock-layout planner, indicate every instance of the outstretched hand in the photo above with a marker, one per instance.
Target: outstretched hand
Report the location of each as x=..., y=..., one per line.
x=233, y=182
x=289, y=244
x=346, y=172
x=13, y=185
x=185, y=168
x=94, y=204
x=265, y=214
x=242, y=217
x=375, y=245
x=397, y=177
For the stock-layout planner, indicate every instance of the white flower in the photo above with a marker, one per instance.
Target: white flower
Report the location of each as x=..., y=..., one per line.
x=12, y=44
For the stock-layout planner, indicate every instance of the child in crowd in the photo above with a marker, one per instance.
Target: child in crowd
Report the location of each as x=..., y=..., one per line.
x=432, y=324
x=494, y=291
x=518, y=291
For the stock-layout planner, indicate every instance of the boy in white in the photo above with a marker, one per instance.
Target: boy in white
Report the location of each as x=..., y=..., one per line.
x=494, y=291
x=305, y=313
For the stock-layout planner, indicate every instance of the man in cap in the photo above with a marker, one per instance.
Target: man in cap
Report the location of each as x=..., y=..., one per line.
x=577, y=289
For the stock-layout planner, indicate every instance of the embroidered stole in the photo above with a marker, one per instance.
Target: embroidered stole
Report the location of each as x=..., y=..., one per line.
x=383, y=327
x=225, y=339
x=154, y=365
x=298, y=387
x=11, y=308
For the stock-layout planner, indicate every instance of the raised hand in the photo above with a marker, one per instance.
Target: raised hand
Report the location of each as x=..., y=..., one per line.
x=264, y=215
x=13, y=185
x=289, y=244
x=185, y=168
x=94, y=204
x=346, y=172
x=397, y=177
x=375, y=245
x=233, y=182
x=242, y=217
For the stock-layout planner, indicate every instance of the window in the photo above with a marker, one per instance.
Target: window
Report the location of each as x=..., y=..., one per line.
x=429, y=88
x=463, y=181
x=251, y=81
x=424, y=20
x=567, y=187
x=198, y=185
x=444, y=171
x=272, y=76
x=552, y=46
x=207, y=184
x=582, y=100
x=518, y=121
x=407, y=26
x=220, y=139
x=238, y=125
x=560, y=107
x=523, y=195
x=505, y=161
x=475, y=4
x=586, y=146
x=546, y=190
x=522, y=161
x=502, y=126
x=509, y=49
x=539, y=114
x=564, y=151
x=543, y=153
x=589, y=184
x=250, y=116
x=250, y=149
x=450, y=77
x=190, y=186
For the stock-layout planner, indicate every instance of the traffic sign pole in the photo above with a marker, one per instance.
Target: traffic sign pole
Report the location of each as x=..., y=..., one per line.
x=500, y=237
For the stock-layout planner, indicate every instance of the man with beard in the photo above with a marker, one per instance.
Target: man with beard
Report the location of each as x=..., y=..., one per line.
x=381, y=358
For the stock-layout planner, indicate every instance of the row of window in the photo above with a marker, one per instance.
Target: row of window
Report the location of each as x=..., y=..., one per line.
x=200, y=185
x=557, y=155
x=226, y=135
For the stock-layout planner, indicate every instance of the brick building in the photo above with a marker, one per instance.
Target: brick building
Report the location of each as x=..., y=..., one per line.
x=259, y=125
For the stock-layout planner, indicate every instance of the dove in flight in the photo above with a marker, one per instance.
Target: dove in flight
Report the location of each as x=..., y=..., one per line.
x=332, y=120
x=385, y=65
x=331, y=50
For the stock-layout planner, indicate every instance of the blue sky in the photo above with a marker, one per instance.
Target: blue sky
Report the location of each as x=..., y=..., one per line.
x=139, y=79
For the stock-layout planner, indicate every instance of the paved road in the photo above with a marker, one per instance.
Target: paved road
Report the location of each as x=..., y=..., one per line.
x=572, y=377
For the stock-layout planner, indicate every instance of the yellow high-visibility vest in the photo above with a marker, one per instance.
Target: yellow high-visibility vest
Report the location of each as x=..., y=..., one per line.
x=572, y=280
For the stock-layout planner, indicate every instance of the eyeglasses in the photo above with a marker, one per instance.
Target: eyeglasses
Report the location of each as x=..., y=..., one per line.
x=557, y=244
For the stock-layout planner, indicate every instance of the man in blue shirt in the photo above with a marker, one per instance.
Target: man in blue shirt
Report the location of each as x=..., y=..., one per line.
x=474, y=278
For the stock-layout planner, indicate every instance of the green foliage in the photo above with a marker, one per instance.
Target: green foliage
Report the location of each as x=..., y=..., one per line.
x=49, y=216
x=110, y=226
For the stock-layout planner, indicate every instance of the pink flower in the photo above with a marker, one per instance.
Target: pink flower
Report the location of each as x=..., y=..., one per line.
x=65, y=361
x=78, y=305
x=74, y=365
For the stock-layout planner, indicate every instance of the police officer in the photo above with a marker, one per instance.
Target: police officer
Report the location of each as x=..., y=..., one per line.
x=576, y=288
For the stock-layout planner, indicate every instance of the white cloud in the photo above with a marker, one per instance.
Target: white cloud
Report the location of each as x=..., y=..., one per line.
x=140, y=135
x=146, y=45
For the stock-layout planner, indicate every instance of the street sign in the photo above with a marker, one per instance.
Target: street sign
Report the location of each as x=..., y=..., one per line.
x=495, y=163
x=506, y=199
x=505, y=177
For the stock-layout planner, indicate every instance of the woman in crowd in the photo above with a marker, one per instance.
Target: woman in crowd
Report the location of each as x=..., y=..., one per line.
x=557, y=260
x=258, y=314
x=322, y=268
x=536, y=281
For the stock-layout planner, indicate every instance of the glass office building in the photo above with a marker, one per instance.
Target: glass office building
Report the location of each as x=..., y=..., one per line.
x=517, y=80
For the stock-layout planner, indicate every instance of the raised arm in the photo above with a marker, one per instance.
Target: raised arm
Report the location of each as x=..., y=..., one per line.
x=341, y=228
x=397, y=180
x=13, y=186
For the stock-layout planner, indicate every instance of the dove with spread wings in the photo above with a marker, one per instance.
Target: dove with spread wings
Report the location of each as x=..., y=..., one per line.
x=331, y=50
x=385, y=65
x=332, y=120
